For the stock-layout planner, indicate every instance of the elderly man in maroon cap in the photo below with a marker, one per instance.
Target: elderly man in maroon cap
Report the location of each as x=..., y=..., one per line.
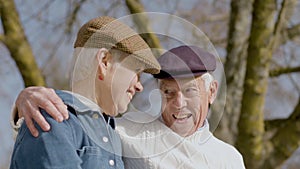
x=180, y=137
x=187, y=88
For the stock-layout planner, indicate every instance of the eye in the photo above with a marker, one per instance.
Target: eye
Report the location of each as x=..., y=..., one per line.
x=191, y=91
x=169, y=93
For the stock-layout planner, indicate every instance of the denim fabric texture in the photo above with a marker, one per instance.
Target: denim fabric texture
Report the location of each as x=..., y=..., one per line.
x=85, y=140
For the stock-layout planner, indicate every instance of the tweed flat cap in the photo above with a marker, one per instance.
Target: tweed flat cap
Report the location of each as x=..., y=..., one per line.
x=107, y=32
x=185, y=61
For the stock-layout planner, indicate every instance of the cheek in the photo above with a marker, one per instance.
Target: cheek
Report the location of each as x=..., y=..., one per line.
x=164, y=105
x=166, y=119
x=202, y=110
x=167, y=114
x=195, y=106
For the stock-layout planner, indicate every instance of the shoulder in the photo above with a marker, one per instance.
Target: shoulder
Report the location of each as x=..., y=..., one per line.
x=55, y=147
x=62, y=130
x=224, y=147
x=227, y=151
x=67, y=126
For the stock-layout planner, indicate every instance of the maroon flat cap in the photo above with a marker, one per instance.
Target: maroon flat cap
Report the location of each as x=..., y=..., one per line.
x=185, y=61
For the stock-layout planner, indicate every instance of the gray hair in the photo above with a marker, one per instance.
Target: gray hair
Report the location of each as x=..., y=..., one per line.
x=208, y=78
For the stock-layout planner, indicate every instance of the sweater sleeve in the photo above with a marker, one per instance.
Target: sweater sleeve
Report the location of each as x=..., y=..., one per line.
x=15, y=124
x=53, y=149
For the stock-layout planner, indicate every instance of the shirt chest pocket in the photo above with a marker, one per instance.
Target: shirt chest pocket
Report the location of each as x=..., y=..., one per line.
x=96, y=157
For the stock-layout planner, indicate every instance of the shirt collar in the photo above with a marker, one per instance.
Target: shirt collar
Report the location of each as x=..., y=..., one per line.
x=82, y=105
x=202, y=135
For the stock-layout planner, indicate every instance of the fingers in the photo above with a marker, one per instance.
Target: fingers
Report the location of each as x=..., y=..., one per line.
x=50, y=108
x=31, y=99
x=46, y=99
x=37, y=116
x=31, y=127
x=59, y=105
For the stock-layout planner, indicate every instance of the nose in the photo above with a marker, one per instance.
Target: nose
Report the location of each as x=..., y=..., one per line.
x=179, y=101
x=138, y=87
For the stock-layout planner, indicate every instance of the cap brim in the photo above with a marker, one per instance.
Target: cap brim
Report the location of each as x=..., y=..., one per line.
x=165, y=75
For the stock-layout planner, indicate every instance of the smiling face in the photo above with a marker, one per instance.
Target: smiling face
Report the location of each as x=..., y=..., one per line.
x=125, y=83
x=117, y=83
x=185, y=103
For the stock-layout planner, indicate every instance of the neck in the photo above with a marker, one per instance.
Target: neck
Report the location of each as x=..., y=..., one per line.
x=85, y=88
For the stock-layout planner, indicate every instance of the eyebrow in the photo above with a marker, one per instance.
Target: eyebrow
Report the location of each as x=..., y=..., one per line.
x=194, y=84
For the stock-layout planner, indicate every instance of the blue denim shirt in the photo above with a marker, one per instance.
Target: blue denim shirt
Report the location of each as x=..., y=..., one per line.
x=85, y=140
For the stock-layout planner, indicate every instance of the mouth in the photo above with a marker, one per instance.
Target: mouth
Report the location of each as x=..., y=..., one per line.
x=181, y=116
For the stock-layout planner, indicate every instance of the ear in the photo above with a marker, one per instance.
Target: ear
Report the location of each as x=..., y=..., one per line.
x=213, y=90
x=103, y=57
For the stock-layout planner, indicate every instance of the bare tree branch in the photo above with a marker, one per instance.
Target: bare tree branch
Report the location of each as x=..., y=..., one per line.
x=53, y=52
x=280, y=23
x=293, y=32
x=281, y=149
x=73, y=16
x=142, y=23
x=289, y=33
x=285, y=70
x=42, y=9
x=111, y=7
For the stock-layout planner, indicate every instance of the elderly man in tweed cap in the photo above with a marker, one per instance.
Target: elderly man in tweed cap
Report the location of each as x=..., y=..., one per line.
x=108, y=58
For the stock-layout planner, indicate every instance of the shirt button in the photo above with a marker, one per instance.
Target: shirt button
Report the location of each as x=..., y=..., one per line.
x=111, y=162
x=105, y=139
x=95, y=116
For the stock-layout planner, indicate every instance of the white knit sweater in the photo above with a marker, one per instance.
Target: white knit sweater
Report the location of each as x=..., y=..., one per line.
x=149, y=144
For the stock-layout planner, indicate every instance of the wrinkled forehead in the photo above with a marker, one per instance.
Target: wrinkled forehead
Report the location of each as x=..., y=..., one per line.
x=181, y=82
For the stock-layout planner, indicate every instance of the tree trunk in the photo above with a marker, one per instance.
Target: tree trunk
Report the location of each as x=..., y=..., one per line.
x=251, y=121
x=15, y=40
x=235, y=67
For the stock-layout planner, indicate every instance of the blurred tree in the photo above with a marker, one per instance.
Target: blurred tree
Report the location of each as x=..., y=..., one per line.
x=15, y=40
x=251, y=121
x=235, y=64
x=263, y=41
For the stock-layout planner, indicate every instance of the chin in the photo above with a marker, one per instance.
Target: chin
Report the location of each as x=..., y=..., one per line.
x=122, y=110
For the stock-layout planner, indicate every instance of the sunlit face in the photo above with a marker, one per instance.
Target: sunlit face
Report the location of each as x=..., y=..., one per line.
x=125, y=83
x=118, y=87
x=185, y=104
